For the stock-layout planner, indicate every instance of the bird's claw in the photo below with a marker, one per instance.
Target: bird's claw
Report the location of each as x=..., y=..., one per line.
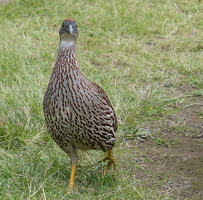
x=111, y=161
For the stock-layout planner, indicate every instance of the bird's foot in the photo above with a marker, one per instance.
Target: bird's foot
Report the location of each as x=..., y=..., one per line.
x=111, y=160
x=71, y=188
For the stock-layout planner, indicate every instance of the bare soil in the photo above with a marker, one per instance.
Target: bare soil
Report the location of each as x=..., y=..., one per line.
x=3, y=2
x=174, y=163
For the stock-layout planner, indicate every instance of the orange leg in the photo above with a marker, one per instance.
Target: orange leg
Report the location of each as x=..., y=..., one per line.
x=72, y=176
x=111, y=161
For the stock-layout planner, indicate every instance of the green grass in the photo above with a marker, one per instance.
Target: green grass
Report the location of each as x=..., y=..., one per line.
x=131, y=48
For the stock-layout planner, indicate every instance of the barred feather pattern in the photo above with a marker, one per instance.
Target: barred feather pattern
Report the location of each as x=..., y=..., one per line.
x=78, y=113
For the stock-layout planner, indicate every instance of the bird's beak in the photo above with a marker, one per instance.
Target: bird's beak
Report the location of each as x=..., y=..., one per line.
x=70, y=28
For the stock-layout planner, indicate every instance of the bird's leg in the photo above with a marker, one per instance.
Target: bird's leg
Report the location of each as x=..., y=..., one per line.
x=111, y=161
x=72, y=176
x=71, y=151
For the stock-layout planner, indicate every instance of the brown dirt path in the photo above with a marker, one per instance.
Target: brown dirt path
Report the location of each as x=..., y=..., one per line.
x=176, y=161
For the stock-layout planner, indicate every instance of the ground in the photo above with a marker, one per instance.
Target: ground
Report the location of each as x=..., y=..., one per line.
x=3, y=2
x=176, y=157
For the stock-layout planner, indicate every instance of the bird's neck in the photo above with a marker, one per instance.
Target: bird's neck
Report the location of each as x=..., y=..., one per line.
x=67, y=44
x=66, y=59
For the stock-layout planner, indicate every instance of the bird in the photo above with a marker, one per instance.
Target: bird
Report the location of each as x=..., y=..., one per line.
x=78, y=113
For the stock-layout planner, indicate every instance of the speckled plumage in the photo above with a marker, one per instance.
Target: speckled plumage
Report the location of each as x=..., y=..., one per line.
x=78, y=113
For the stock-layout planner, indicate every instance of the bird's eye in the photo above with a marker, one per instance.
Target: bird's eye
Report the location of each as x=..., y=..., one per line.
x=63, y=25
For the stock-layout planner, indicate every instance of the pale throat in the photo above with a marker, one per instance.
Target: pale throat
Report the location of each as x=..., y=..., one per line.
x=67, y=44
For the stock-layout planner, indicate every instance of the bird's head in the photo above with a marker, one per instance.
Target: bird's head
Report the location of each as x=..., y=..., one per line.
x=69, y=31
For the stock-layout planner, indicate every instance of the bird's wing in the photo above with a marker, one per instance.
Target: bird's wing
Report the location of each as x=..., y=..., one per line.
x=102, y=95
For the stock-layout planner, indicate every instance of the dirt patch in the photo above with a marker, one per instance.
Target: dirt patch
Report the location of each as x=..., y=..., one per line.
x=177, y=170
x=174, y=163
x=3, y=2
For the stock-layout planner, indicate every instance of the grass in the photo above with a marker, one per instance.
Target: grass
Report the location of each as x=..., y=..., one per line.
x=146, y=55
